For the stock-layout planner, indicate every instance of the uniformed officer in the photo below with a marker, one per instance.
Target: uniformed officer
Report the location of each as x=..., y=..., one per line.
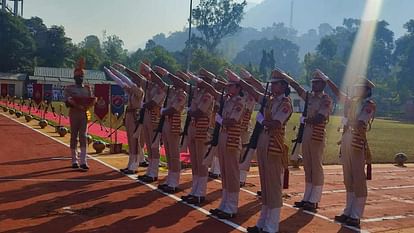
x=78, y=99
x=198, y=135
x=212, y=161
x=229, y=148
x=135, y=96
x=140, y=81
x=246, y=127
x=154, y=101
x=313, y=142
x=172, y=128
x=355, y=153
x=272, y=152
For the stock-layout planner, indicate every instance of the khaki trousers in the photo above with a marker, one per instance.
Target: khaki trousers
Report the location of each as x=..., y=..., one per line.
x=270, y=170
x=353, y=165
x=312, y=158
x=78, y=122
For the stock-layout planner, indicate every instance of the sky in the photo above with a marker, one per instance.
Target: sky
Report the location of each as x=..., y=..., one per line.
x=134, y=21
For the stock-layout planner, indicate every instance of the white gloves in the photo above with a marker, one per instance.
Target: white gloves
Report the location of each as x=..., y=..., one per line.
x=344, y=121
x=259, y=117
x=219, y=119
x=302, y=119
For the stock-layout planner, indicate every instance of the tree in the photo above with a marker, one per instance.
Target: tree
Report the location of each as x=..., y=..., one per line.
x=16, y=45
x=327, y=47
x=92, y=42
x=90, y=49
x=213, y=63
x=92, y=60
x=59, y=49
x=53, y=48
x=216, y=19
x=113, y=49
x=156, y=55
x=38, y=30
x=404, y=54
x=285, y=55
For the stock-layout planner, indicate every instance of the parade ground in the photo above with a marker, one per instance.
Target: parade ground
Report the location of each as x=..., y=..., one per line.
x=39, y=192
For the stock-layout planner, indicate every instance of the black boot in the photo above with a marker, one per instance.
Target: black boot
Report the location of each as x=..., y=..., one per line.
x=215, y=211
x=341, y=218
x=213, y=176
x=309, y=206
x=254, y=229
x=129, y=172
x=169, y=189
x=196, y=200
x=187, y=197
x=225, y=215
x=162, y=186
x=354, y=222
x=299, y=204
x=144, y=164
x=147, y=179
x=84, y=167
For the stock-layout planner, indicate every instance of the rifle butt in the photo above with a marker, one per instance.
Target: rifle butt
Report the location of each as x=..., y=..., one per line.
x=286, y=178
x=369, y=171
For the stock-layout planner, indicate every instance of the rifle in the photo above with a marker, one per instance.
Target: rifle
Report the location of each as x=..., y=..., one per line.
x=217, y=127
x=49, y=104
x=188, y=119
x=109, y=135
x=258, y=127
x=30, y=106
x=162, y=120
x=295, y=155
x=141, y=111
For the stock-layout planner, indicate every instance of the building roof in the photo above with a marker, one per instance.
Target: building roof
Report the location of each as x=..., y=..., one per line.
x=13, y=76
x=66, y=73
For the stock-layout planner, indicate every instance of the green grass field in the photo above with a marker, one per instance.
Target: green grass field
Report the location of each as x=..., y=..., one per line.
x=385, y=139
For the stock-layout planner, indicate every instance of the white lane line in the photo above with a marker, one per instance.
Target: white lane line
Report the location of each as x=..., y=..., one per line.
x=109, y=156
x=380, y=219
x=340, y=173
x=369, y=189
x=307, y=212
x=204, y=211
x=64, y=180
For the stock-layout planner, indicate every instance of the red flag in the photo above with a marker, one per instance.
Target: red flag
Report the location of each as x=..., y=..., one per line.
x=37, y=93
x=4, y=90
x=102, y=104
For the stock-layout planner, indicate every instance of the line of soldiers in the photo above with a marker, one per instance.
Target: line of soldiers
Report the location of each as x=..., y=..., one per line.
x=158, y=98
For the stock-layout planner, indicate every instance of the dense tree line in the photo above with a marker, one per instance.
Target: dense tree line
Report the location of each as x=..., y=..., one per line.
x=391, y=64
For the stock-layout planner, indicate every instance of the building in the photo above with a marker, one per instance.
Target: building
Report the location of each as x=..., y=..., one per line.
x=13, y=84
x=21, y=85
x=62, y=77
